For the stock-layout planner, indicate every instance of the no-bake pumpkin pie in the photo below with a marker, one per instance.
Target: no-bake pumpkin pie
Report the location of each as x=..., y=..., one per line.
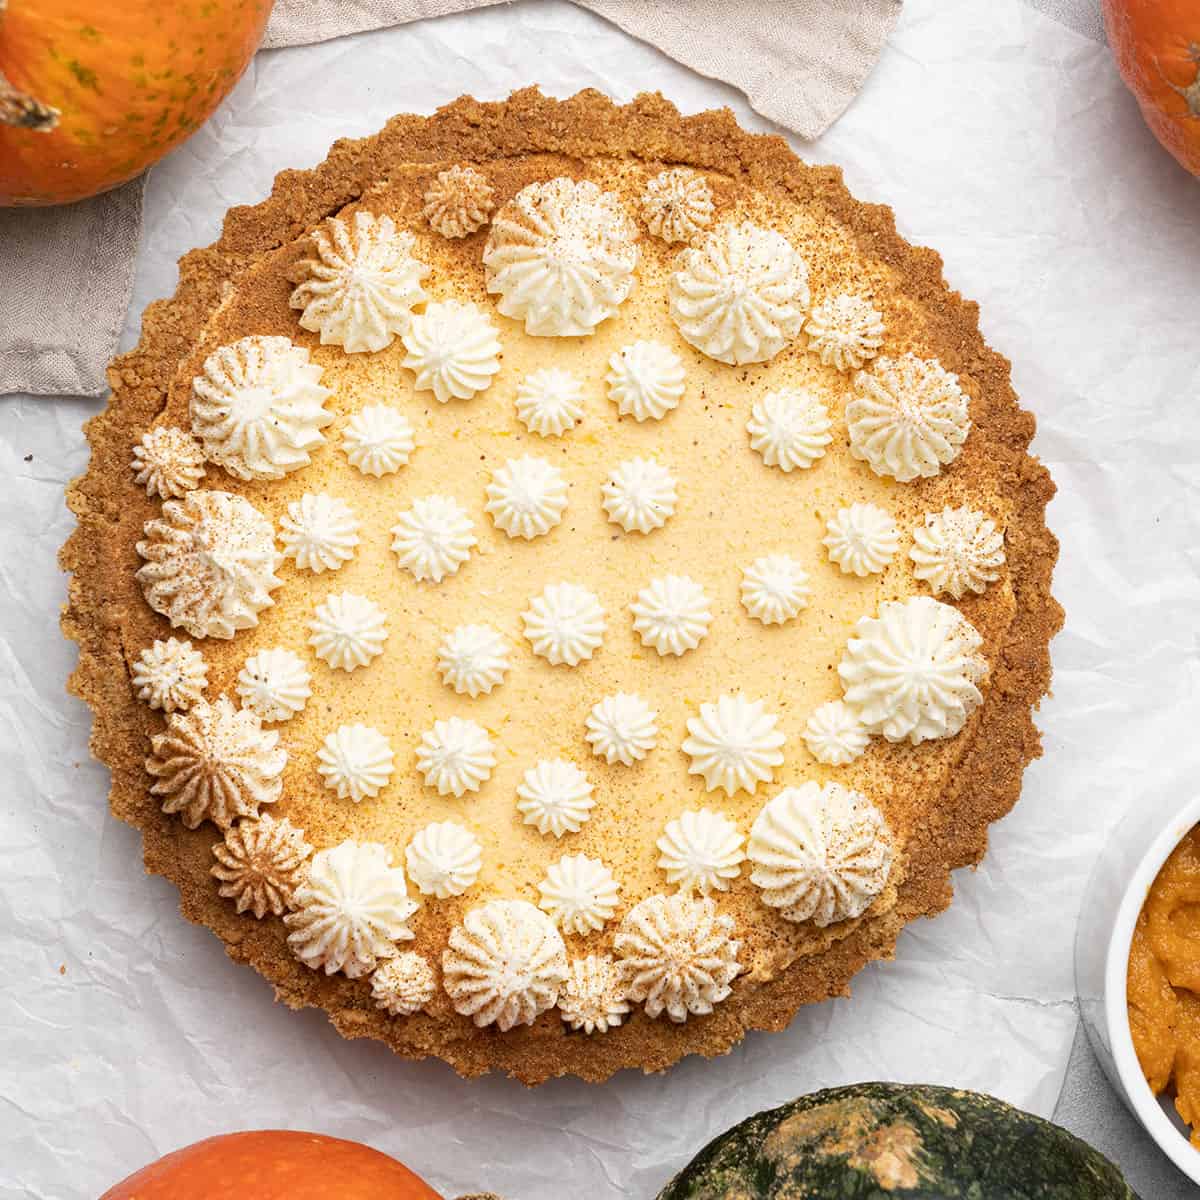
x=561, y=585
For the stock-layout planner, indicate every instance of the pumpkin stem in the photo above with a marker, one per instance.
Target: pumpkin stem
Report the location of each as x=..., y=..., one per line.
x=22, y=110
x=1191, y=93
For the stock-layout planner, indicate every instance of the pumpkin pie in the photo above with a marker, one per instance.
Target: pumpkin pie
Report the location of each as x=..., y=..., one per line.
x=561, y=585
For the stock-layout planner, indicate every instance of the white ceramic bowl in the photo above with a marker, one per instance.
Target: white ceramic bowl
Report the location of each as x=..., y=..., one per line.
x=1114, y=897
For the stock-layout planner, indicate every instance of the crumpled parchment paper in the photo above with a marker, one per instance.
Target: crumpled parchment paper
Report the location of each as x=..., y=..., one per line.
x=1001, y=138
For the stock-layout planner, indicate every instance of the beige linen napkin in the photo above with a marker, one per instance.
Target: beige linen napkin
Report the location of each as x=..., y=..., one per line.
x=66, y=273
x=65, y=278
x=799, y=62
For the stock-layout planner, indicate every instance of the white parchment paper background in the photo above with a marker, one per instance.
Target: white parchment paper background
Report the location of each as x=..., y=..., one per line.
x=1001, y=138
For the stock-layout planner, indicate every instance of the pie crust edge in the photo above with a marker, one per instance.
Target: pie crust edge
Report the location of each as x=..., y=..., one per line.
x=1002, y=740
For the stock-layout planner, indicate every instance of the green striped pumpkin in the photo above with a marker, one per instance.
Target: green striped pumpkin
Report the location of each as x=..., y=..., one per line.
x=888, y=1141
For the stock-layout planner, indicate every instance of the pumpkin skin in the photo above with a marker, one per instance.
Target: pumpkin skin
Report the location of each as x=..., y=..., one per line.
x=1157, y=47
x=875, y=1140
x=94, y=91
x=273, y=1164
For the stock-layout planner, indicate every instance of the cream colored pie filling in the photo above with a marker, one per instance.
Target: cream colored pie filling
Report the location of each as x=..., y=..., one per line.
x=733, y=514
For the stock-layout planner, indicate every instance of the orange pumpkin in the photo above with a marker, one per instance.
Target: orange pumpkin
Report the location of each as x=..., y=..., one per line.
x=94, y=91
x=1157, y=47
x=273, y=1164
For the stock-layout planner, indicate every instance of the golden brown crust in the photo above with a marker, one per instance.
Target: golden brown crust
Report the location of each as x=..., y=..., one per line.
x=101, y=558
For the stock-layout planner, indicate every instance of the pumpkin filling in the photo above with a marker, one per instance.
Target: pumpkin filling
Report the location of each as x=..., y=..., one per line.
x=1164, y=982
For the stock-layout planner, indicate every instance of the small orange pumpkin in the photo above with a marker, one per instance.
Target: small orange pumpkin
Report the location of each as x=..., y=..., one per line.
x=273, y=1164
x=1157, y=47
x=94, y=91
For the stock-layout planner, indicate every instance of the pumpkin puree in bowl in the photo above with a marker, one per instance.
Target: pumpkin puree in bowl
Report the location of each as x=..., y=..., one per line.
x=1164, y=982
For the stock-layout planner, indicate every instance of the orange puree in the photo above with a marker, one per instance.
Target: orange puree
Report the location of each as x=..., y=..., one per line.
x=1164, y=982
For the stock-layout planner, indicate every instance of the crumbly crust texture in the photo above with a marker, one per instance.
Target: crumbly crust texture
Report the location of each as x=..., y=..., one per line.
x=994, y=748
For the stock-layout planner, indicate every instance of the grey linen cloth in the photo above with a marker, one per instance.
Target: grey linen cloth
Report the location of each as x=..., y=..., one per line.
x=66, y=273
